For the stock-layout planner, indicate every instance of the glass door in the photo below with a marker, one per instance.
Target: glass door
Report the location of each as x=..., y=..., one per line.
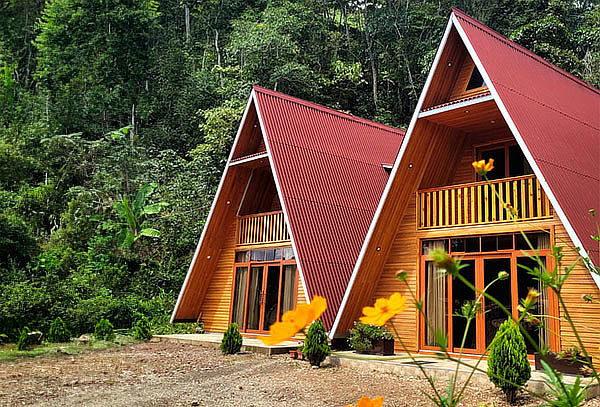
x=464, y=338
x=255, y=298
x=501, y=290
x=271, y=296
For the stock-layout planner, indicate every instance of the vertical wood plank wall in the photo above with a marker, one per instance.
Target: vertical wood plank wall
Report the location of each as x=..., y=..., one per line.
x=403, y=256
x=579, y=283
x=217, y=303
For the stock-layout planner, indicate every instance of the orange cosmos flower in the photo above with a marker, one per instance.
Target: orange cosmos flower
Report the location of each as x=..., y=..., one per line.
x=294, y=321
x=384, y=309
x=367, y=402
x=482, y=168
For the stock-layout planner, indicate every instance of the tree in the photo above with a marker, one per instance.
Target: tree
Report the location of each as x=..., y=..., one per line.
x=316, y=346
x=508, y=367
x=94, y=58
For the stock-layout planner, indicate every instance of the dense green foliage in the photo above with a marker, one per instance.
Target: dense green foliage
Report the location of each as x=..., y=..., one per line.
x=316, y=345
x=141, y=329
x=362, y=336
x=58, y=331
x=232, y=340
x=104, y=330
x=102, y=103
x=508, y=367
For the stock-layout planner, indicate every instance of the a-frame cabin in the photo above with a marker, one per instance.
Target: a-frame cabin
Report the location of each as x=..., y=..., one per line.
x=487, y=97
x=296, y=199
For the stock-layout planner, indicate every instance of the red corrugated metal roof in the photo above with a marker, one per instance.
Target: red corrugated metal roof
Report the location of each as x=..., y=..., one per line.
x=328, y=166
x=558, y=117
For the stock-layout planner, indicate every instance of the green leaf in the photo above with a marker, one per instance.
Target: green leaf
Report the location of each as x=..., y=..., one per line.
x=150, y=232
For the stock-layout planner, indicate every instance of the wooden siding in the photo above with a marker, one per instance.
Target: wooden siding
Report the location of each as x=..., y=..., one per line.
x=216, y=308
x=462, y=80
x=403, y=257
x=579, y=283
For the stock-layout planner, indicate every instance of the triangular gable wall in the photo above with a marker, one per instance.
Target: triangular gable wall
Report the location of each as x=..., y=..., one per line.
x=390, y=211
x=235, y=180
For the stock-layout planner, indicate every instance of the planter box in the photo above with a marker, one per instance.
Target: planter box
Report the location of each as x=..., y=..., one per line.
x=565, y=365
x=383, y=347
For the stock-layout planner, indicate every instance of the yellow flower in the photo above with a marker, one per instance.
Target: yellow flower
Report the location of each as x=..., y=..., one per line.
x=482, y=168
x=384, y=309
x=294, y=321
x=367, y=402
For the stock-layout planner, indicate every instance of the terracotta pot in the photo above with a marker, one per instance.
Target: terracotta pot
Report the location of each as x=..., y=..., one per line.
x=564, y=365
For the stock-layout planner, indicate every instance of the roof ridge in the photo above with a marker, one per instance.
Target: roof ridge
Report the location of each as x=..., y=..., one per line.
x=328, y=110
x=519, y=48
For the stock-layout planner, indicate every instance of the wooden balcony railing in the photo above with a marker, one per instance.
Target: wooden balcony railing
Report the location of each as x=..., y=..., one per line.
x=262, y=228
x=481, y=203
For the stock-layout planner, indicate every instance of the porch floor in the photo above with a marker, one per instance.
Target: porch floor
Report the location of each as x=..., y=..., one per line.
x=213, y=339
x=402, y=364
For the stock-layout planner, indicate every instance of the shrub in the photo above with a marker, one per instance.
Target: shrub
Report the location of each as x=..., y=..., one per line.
x=104, y=330
x=23, y=341
x=58, y=331
x=362, y=336
x=141, y=329
x=316, y=347
x=232, y=340
x=508, y=367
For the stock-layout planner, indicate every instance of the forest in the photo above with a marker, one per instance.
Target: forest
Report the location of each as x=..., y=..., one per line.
x=116, y=118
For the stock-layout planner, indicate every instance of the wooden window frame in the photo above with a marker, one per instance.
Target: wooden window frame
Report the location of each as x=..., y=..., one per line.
x=264, y=264
x=553, y=309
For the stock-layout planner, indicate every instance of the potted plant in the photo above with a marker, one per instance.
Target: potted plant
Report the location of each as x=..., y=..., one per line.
x=370, y=339
x=569, y=361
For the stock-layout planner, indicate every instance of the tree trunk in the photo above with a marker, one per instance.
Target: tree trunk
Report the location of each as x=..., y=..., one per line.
x=188, y=32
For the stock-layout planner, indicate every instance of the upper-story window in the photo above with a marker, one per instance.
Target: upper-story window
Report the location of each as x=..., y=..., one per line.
x=476, y=80
x=509, y=160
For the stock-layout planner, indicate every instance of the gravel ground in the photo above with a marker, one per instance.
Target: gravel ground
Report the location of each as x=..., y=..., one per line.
x=168, y=374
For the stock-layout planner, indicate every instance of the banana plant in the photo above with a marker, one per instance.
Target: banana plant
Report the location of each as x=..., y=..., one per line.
x=134, y=213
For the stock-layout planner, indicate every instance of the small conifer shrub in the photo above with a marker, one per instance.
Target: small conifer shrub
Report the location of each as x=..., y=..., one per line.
x=141, y=329
x=104, y=330
x=508, y=367
x=316, y=347
x=23, y=341
x=58, y=331
x=232, y=340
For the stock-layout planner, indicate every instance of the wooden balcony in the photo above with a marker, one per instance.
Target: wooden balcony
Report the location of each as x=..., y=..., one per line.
x=262, y=228
x=482, y=203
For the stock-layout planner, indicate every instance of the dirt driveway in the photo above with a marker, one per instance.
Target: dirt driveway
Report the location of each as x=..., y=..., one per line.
x=167, y=374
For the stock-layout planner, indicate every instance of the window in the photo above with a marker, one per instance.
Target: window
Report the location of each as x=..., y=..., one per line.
x=509, y=161
x=489, y=243
x=476, y=80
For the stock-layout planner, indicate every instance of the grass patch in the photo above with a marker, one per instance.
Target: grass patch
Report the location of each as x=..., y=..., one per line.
x=9, y=352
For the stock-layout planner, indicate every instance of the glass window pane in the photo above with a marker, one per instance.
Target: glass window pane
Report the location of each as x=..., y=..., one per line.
x=500, y=290
x=472, y=245
x=539, y=241
x=271, y=296
x=517, y=163
x=429, y=245
x=489, y=243
x=505, y=242
x=258, y=255
x=288, y=289
x=277, y=254
x=499, y=162
x=239, y=296
x=242, y=257
x=457, y=245
x=462, y=296
x=436, y=303
x=526, y=282
x=288, y=253
x=254, y=297
x=269, y=255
